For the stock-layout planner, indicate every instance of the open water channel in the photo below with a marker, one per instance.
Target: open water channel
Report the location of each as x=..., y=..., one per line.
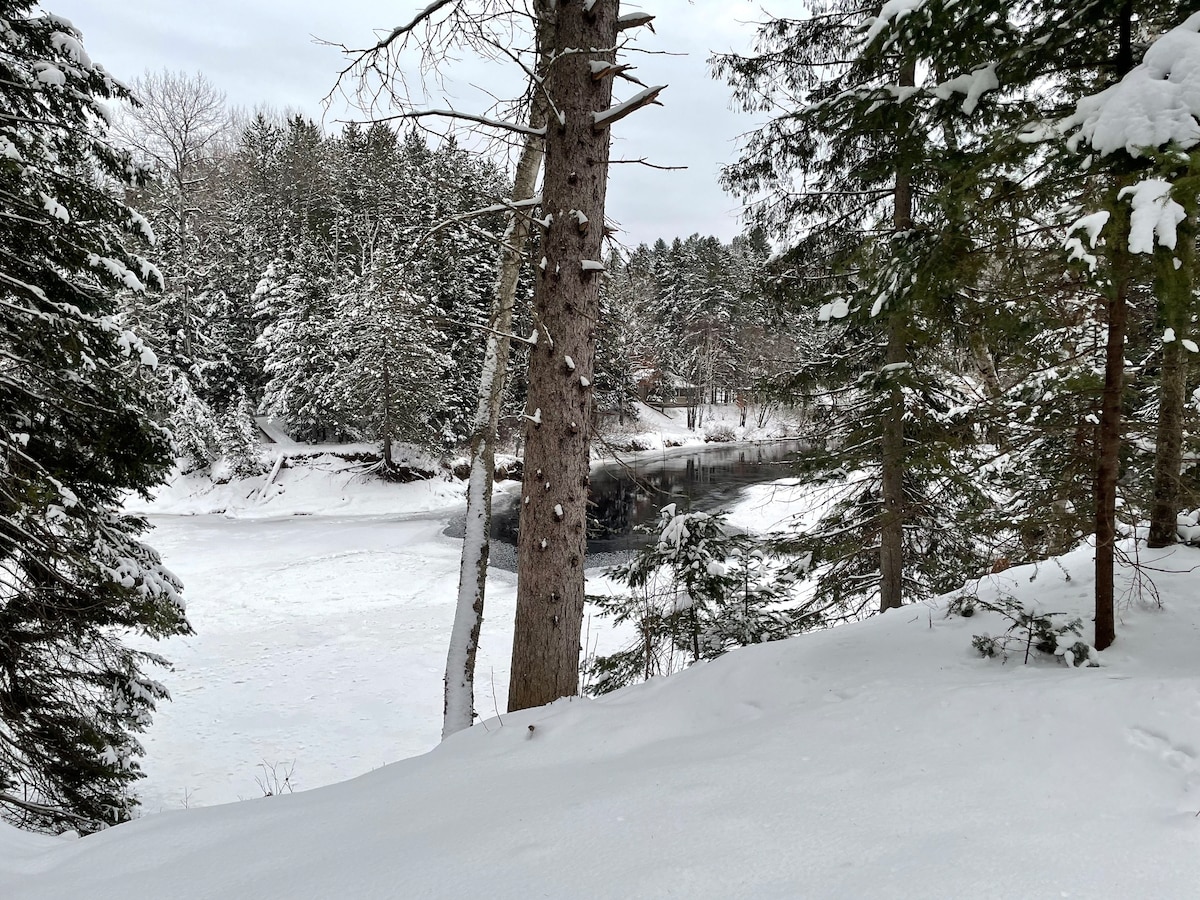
x=627, y=493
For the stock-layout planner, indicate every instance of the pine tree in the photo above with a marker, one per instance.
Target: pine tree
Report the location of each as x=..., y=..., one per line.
x=880, y=244
x=694, y=593
x=76, y=435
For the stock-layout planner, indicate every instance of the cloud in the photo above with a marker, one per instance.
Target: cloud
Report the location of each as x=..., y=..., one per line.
x=263, y=52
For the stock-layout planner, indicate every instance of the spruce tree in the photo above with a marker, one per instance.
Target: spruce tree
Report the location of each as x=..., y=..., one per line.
x=76, y=435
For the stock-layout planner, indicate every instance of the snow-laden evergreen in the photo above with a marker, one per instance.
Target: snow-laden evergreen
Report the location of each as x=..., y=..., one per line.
x=76, y=436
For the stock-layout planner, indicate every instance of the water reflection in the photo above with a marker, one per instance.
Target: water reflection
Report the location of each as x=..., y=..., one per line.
x=623, y=496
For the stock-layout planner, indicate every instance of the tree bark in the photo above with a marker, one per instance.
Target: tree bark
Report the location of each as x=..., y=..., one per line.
x=459, y=705
x=891, y=536
x=1108, y=455
x=1108, y=451
x=891, y=528
x=1168, y=445
x=1175, y=289
x=552, y=540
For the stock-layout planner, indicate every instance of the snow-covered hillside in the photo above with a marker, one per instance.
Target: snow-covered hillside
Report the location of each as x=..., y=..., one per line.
x=879, y=759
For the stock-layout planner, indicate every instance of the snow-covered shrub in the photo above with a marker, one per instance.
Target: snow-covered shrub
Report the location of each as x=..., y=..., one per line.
x=195, y=434
x=718, y=433
x=1028, y=631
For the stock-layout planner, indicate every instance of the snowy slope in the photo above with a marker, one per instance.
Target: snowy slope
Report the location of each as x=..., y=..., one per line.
x=879, y=759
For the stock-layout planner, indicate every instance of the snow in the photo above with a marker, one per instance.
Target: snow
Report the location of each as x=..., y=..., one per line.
x=878, y=759
x=974, y=85
x=69, y=46
x=620, y=110
x=838, y=309
x=1155, y=215
x=891, y=11
x=325, y=485
x=50, y=74
x=55, y=209
x=1155, y=104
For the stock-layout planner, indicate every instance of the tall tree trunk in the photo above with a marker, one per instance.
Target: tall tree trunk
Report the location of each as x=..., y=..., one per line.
x=552, y=541
x=891, y=537
x=1168, y=446
x=387, y=410
x=1175, y=289
x=891, y=529
x=1108, y=451
x=459, y=707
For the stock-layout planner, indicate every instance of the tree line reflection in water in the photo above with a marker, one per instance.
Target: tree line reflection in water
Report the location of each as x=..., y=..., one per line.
x=623, y=496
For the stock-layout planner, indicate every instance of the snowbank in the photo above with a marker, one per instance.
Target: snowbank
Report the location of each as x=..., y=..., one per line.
x=657, y=429
x=881, y=759
x=307, y=483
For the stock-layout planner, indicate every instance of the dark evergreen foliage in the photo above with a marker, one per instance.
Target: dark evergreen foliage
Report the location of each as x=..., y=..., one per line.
x=76, y=435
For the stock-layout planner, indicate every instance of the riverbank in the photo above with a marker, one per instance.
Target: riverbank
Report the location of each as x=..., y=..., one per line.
x=329, y=596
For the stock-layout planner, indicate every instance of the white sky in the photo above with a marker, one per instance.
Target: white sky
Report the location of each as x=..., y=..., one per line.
x=262, y=52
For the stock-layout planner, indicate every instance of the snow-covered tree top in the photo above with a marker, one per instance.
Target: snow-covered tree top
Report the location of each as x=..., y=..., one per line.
x=1155, y=105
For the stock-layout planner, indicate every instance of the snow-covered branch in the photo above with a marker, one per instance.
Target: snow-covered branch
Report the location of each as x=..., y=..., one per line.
x=633, y=104
x=635, y=20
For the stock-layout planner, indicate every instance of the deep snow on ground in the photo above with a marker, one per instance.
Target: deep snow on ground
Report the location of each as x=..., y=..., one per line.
x=880, y=759
x=319, y=650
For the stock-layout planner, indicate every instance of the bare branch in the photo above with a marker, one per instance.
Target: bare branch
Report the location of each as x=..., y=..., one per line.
x=41, y=808
x=402, y=30
x=516, y=206
x=454, y=114
x=649, y=165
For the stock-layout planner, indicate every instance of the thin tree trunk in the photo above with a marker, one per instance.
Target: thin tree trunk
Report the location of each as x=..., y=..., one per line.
x=1175, y=289
x=1108, y=451
x=387, y=411
x=552, y=540
x=459, y=707
x=1168, y=446
x=891, y=529
x=891, y=537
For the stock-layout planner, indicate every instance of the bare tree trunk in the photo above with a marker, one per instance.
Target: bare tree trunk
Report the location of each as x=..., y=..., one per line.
x=891, y=536
x=552, y=542
x=1168, y=446
x=387, y=410
x=891, y=528
x=1108, y=452
x=1175, y=288
x=459, y=708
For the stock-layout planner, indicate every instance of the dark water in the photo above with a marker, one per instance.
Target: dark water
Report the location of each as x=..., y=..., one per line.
x=623, y=496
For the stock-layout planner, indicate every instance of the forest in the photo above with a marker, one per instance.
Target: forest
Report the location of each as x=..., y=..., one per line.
x=965, y=287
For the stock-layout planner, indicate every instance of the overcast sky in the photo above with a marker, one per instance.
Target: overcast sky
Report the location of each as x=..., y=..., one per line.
x=263, y=52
